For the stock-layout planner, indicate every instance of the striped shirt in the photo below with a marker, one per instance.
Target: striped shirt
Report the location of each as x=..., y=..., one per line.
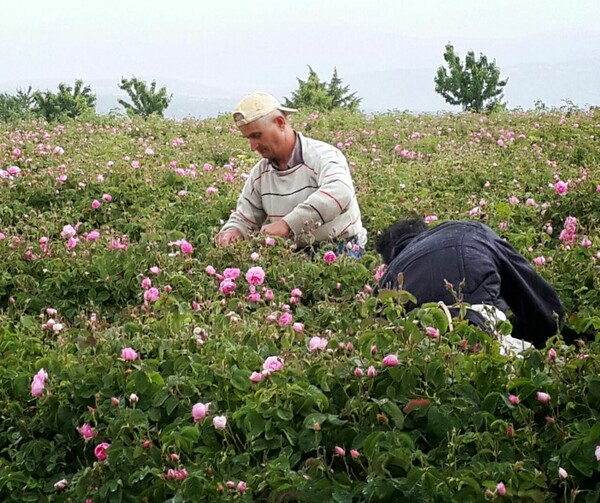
x=314, y=195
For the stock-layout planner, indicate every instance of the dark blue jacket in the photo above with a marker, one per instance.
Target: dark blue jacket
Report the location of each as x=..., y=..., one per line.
x=492, y=270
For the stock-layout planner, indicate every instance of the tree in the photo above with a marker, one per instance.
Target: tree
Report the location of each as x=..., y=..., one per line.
x=67, y=102
x=322, y=96
x=145, y=101
x=16, y=107
x=475, y=86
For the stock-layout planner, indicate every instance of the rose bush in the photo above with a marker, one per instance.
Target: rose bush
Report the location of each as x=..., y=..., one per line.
x=140, y=362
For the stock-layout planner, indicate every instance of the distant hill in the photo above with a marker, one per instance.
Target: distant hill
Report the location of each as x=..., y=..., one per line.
x=395, y=89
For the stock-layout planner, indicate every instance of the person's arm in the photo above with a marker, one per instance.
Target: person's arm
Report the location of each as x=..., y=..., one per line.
x=249, y=214
x=532, y=300
x=334, y=195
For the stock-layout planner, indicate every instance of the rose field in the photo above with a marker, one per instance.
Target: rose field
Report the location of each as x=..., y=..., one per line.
x=142, y=363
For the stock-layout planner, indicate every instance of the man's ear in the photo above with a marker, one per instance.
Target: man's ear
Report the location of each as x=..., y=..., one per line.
x=280, y=121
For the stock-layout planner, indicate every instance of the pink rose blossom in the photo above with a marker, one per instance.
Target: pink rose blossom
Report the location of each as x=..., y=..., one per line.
x=562, y=473
x=269, y=295
x=586, y=242
x=501, y=489
x=514, y=399
x=255, y=275
x=597, y=451
x=539, y=261
x=372, y=371
x=227, y=286
x=355, y=454
x=133, y=398
x=330, y=257
x=220, y=422
x=543, y=397
x=92, y=235
x=199, y=411
x=241, y=486
x=100, y=451
x=256, y=377
x=270, y=241
x=561, y=188
x=107, y=198
x=296, y=292
x=61, y=484
x=390, y=361
x=433, y=332
x=358, y=372
x=339, y=451
x=298, y=327
x=316, y=343
x=151, y=295
x=430, y=218
x=129, y=354
x=38, y=383
x=273, y=364
x=210, y=270
x=186, y=247
x=231, y=273
x=285, y=319
x=86, y=431
x=146, y=283
x=96, y=204
x=254, y=256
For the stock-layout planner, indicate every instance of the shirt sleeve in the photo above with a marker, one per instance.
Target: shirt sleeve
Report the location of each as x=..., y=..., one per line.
x=537, y=310
x=332, y=198
x=249, y=214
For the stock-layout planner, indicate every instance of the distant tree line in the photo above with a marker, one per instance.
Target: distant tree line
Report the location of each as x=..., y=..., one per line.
x=475, y=86
x=80, y=101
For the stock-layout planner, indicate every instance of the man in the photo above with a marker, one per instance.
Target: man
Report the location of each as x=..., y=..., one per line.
x=494, y=276
x=301, y=189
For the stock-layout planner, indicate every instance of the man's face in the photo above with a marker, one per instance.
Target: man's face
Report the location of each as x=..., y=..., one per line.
x=266, y=137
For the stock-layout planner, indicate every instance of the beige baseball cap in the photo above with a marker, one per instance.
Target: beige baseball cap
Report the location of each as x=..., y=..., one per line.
x=257, y=105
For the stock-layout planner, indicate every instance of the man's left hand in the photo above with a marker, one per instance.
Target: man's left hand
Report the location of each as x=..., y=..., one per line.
x=280, y=229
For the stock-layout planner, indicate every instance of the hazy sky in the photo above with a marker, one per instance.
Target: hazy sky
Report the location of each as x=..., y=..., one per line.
x=252, y=44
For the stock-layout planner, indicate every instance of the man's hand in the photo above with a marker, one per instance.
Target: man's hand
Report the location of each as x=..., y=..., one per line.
x=225, y=238
x=280, y=229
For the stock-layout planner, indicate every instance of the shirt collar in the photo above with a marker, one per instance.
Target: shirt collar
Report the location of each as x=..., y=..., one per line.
x=295, y=158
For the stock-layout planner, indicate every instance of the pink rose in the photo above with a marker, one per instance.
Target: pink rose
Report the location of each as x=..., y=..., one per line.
x=151, y=295
x=96, y=204
x=61, y=484
x=256, y=377
x=298, y=327
x=186, y=247
x=371, y=371
x=543, y=397
x=199, y=411
x=317, y=343
x=231, y=273
x=241, y=486
x=358, y=372
x=433, y=332
x=273, y=364
x=100, y=451
x=597, y=451
x=227, y=286
x=355, y=454
x=501, y=489
x=513, y=399
x=255, y=275
x=330, y=257
x=210, y=270
x=92, y=235
x=285, y=319
x=561, y=188
x=562, y=473
x=390, y=361
x=39, y=383
x=220, y=422
x=339, y=451
x=86, y=431
x=129, y=354
x=296, y=292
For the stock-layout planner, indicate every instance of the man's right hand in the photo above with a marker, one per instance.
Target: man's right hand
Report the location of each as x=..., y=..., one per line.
x=225, y=238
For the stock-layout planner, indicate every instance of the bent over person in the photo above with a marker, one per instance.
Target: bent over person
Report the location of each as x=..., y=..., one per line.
x=301, y=189
x=495, y=278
